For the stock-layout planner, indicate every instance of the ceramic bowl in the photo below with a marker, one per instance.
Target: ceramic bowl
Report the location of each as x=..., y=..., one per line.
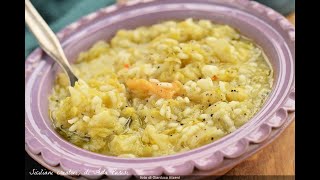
x=266, y=27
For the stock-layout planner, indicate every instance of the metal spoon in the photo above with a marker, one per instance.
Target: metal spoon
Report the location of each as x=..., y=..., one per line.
x=47, y=40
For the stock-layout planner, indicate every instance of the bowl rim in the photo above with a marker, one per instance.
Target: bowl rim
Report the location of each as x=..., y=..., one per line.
x=216, y=171
x=34, y=144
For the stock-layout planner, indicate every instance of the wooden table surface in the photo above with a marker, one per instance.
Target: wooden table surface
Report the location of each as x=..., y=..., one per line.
x=275, y=159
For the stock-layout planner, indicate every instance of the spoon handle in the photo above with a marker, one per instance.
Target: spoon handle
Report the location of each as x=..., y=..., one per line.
x=47, y=39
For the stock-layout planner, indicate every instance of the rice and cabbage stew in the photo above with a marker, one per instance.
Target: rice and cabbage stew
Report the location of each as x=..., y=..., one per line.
x=162, y=89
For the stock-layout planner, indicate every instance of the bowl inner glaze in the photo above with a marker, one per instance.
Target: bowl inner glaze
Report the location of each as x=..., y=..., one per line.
x=104, y=28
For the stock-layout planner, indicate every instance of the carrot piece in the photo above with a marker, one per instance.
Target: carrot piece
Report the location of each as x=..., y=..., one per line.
x=214, y=78
x=143, y=87
x=126, y=66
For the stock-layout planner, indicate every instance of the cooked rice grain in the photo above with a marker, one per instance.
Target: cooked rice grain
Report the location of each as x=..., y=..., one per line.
x=191, y=83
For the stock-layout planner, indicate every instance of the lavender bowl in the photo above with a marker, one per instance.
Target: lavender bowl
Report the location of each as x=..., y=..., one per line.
x=266, y=27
